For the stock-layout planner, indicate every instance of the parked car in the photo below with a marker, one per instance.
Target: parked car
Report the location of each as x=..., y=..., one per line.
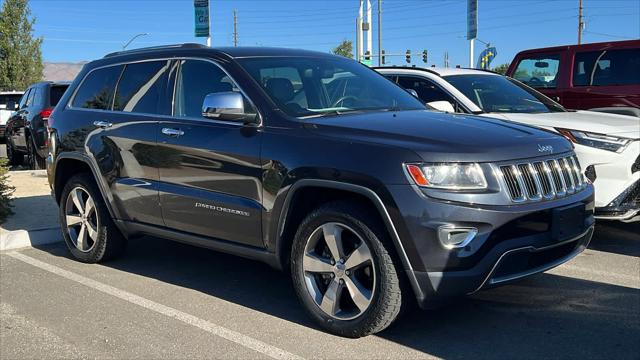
x=600, y=76
x=607, y=145
x=8, y=105
x=368, y=198
x=26, y=129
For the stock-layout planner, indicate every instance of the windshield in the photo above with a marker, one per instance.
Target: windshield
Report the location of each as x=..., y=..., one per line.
x=56, y=93
x=499, y=94
x=304, y=86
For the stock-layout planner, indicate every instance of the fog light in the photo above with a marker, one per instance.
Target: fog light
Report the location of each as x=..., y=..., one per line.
x=590, y=173
x=452, y=237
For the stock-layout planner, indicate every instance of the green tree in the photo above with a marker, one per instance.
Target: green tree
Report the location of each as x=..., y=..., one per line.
x=501, y=69
x=344, y=49
x=20, y=54
x=5, y=191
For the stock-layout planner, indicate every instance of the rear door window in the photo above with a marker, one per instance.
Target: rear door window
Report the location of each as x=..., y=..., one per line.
x=540, y=71
x=96, y=91
x=55, y=94
x=607, y=68
x=23, y=100
x=141, y=87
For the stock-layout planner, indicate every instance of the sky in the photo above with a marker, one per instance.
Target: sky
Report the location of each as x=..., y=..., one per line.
x=83, y=30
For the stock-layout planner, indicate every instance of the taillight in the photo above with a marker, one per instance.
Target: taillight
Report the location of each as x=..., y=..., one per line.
x=47, y=121
x=46, y=113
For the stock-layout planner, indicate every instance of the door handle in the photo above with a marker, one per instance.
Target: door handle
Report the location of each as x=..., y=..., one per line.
x=172, y=132
x=102, y=124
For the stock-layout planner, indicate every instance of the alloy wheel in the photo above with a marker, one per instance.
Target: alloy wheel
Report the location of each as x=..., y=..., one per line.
x=339, y=271
x=81, y=219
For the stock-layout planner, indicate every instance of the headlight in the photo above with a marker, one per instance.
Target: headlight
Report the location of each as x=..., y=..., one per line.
x=448, y=176
x=598, y=141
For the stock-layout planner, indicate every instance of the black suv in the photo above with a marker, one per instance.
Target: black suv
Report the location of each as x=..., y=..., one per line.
x=365, y=196
x=26, y=130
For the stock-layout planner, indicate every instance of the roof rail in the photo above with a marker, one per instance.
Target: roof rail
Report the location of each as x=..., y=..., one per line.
x=174, y=46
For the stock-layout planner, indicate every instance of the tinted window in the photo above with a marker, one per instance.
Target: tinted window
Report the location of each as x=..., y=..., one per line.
x=96, y=91
x=493, y=93
x=539, y=71
x=55, y=93
x=23, y=100
x=326, y=86
x=427, y=90
x=196, y=79
x=31, y=97
x=6, y=98
x=609, y=67
x=141, y=87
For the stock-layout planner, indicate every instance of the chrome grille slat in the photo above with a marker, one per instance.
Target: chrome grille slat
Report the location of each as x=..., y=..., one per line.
x=542, y=179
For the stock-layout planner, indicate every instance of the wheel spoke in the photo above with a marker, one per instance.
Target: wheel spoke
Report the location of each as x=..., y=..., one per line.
x=315, y=264
x=358, y=257
x=360, y=296
x=330, y=300
x=333, y=237
x=77, y=200
x=81, y=237
x=93, y=232
x=73, y=220
x=89, y=206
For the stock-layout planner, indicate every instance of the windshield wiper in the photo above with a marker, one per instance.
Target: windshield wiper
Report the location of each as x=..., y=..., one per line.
x=331, y=113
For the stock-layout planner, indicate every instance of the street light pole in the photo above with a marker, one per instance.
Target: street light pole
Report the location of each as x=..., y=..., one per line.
x=379, y=32
x=133, y=38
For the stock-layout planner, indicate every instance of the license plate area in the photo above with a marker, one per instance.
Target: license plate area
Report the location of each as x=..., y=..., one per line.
x=567, y=221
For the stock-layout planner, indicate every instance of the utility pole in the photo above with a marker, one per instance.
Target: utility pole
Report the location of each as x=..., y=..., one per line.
x=235, y=27
x=580, y=23
x=359, y=40
x=380, y=62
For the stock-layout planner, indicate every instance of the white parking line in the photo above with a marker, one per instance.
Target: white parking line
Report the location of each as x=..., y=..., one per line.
x=212, y=328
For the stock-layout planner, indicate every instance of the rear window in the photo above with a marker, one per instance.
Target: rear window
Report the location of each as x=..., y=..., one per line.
x=141, y=87
x=538, y=71
x=96, y=91
x=56, y=93
x=608, y=67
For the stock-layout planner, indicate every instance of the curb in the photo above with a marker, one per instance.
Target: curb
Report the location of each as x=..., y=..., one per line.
x=16, y=239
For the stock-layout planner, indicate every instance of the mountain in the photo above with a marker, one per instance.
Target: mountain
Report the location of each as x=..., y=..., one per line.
x=61, y=71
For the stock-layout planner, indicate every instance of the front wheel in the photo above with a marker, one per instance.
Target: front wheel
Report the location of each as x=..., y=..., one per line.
x=342, y=272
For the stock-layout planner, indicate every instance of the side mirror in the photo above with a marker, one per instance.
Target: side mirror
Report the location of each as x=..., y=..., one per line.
x=442, y=106
x=226, y=106
x=413, y=92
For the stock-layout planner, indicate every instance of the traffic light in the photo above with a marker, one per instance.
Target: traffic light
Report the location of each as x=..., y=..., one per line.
x=408, y=56
x=425, y=56
x=382, y=52
x=367, y=55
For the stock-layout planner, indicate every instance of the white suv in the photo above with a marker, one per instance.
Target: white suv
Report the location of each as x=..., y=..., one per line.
x=8, y=100
x=607, y=145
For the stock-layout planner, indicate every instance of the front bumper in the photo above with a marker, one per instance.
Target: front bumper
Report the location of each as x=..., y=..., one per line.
x=625, y=207
x=513, y=241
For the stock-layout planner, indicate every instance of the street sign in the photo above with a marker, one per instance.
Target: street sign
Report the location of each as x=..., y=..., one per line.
x=201, y=8
x=472, y=19
x=485, y=58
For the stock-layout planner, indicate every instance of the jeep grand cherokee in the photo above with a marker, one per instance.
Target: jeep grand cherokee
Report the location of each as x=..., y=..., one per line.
x=313, y=163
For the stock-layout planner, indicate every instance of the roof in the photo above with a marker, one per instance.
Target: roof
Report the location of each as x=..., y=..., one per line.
x=590, y=46
x=233, y=52
x=441, y=71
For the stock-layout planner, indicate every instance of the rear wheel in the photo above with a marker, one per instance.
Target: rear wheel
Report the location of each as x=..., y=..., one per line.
x=36, y=162
x=342, y=272
x=88, y=230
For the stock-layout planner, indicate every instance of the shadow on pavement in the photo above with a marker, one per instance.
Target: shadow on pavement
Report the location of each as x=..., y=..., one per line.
x=546, y=316
x=617, y=237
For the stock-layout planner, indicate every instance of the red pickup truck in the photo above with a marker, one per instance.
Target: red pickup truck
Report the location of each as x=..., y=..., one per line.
x=600, y=76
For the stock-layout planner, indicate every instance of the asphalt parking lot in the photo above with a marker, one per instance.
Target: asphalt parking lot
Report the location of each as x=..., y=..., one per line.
x=168, y=300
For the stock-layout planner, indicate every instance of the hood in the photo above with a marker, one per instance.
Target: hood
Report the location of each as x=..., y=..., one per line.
x=443, y=137
x=589, y=121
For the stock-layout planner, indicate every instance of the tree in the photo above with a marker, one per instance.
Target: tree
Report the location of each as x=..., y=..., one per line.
x=501, y=69
x=344, y=49
x=20, y=54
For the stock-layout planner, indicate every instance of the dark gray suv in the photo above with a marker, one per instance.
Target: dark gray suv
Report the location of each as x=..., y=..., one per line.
x=315, y=164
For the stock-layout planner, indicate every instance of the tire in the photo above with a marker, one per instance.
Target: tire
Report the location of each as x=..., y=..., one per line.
x=102, y=240
x=15, y=158
x=383, y=292
x=35, y=161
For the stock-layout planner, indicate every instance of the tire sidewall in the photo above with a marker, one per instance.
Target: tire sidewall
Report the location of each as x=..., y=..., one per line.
x=98, y=250
x=350, y=328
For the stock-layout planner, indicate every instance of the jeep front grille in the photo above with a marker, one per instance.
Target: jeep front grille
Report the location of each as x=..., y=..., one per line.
x=544, y=179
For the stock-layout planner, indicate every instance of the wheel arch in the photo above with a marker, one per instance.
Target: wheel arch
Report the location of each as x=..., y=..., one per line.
x=289, y=217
